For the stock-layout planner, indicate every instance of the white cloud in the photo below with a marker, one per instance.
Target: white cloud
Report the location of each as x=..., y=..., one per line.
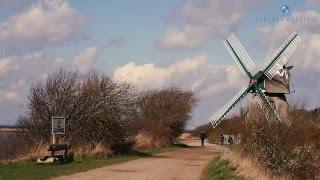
x=58, y=60
x=191, y=73
x=6, y=96
x=35, y=56
x=214, y=84
x=204, y=20
x=305, y=27
x=4, y=63
x=86, y=59
x=45, y=22
x=173, y=38
x=308, y=52
x=12, y=95
x=18, y=72
x=312, y=2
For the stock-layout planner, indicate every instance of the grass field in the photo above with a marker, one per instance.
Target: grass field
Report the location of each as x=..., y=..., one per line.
x=30, y=170
x=220, y=169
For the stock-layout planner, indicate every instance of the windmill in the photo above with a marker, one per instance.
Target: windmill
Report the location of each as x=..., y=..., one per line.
x=257, y=82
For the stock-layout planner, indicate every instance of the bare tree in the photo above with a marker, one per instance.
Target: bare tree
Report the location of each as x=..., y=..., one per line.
x=58, y=95
x=97, y=109
x=172, y=107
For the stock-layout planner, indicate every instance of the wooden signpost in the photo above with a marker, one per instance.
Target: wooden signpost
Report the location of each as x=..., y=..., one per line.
x=58, y=128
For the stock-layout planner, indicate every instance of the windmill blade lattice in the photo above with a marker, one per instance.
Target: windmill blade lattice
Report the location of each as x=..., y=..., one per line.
x=240, y=55
x=217, y=117
x=281, y=57
x=265, y=104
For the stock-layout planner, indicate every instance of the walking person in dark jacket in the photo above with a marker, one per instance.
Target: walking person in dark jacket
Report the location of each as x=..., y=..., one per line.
x=230, y=140
x=221, y=139
x=203, y=136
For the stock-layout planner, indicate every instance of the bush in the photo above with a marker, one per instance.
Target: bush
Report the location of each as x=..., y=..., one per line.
x=171, y=109
x=97, y=110
x=282, y=148
x=102, y=112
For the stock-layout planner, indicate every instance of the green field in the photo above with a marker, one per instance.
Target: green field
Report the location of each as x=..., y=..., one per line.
x=220, y=169
x=30, y=170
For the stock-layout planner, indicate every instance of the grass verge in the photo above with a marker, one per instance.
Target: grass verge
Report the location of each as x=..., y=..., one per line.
x=220, y=169
x=30, y=170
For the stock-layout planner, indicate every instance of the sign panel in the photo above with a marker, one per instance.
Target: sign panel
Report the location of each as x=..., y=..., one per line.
x=58, y=125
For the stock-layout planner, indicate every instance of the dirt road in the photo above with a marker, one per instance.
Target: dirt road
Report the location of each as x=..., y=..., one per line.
x=187, y=163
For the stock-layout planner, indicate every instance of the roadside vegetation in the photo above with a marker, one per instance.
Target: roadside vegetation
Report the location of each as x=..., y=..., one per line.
x=221, y=169
x=287, y=150
x=30, y=170
x=104, y=118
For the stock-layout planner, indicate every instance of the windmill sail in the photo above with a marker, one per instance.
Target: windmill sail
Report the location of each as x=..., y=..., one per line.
x=217, y=117
x=265, y=103
x=240, y=55
x=281, y=56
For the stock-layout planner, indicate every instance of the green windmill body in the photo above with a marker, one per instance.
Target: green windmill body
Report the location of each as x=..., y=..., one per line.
x=272, y=81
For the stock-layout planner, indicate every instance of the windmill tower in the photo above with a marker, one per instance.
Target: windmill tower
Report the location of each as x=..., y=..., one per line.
x=266, y=84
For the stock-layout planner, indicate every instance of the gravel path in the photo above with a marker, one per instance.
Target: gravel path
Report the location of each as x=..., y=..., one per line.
x=183, y=164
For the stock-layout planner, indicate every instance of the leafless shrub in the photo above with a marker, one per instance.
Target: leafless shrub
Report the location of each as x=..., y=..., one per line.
x=102, y=112
x=169, y=108
x=282, y=148
x=97, y=110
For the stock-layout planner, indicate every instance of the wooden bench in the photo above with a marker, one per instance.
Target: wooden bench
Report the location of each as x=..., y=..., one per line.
x=66, y=157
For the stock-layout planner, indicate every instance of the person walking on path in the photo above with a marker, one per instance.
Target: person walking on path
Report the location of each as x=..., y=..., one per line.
x=203, y=136
x=230, y=140
x=221, y=139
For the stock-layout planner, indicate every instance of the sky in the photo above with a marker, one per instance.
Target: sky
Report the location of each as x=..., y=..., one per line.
x=154, y=44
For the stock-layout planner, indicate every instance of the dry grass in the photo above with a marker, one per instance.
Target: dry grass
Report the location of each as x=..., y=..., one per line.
x=150, y=134
x=33, y=151
x=97, y=150
x=249, y=168
x=145, y=140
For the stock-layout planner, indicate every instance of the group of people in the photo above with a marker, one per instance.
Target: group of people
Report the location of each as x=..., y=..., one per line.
x=230, y=139
x=203, y=135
